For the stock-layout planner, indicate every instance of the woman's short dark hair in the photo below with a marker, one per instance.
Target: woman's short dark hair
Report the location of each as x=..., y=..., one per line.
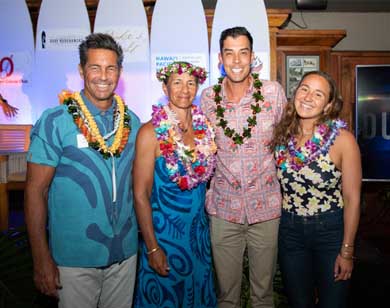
x=99, y=41
x=235, y=32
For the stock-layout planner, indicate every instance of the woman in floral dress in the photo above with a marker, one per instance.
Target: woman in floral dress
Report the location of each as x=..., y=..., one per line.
x=174, y=160
x=319, y=171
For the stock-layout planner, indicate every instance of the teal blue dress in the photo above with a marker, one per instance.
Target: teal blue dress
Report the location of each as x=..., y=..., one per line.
x=182, y=230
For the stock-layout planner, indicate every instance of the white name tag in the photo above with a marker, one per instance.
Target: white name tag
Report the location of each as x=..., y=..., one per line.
x=81, y=141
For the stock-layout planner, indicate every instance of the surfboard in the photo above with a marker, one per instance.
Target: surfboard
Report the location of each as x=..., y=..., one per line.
x=62, y=25
x=126, y=21
x=178, y=33
x=16, y=59
x=250, y=14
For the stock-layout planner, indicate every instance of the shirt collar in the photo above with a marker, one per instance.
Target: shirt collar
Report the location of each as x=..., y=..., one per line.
x=95, y=110
x=248, y=92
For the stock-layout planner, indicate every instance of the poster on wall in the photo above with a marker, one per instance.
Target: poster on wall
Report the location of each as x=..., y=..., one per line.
x=296, y=67
x=126, y=21
x=183, y=41
x=16, y=62
x=250, y=14
x=62, y=25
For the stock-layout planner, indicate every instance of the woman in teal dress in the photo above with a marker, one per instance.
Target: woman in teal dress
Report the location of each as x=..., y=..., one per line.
x=174, y=160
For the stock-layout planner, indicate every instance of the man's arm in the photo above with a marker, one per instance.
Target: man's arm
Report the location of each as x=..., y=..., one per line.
x=46, y=275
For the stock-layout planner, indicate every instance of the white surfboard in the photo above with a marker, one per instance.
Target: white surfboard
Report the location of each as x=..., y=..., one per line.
x=126, y=21
x=250, y=14
x=179, y=33
x=16, y=59
x=62, y=25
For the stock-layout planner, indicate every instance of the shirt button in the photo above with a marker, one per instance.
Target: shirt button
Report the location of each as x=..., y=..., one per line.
x=103, y=113
x=236, y=184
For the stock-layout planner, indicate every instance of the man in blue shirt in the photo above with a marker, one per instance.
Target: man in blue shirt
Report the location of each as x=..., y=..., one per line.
x=79, y=184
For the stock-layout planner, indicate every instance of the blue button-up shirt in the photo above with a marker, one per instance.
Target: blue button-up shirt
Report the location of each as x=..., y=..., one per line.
x=86, y=227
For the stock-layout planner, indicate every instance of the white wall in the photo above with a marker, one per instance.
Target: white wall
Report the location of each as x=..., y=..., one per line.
x=365, y=31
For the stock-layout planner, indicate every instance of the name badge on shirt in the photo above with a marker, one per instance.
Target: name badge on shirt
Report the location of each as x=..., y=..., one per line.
x=81, y=141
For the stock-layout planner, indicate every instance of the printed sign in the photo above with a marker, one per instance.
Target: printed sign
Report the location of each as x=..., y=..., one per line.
x=61, y=39
x=134, y=42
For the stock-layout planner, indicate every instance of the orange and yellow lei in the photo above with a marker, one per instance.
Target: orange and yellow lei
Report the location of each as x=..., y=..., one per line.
x=88, y=127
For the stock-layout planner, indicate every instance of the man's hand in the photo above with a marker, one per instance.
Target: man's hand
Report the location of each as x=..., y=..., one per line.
x=47, y=277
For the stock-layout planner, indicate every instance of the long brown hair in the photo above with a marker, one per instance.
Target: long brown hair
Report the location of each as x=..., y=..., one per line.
x=289, y=123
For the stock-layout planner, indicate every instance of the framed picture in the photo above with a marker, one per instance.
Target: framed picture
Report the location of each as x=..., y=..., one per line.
x=296, y=67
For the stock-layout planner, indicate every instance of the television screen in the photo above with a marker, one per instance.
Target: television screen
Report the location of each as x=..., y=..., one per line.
x=373, y=120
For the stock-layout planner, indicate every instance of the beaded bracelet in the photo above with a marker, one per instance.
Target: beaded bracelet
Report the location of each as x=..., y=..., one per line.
x=153, y=250
x=348, y=245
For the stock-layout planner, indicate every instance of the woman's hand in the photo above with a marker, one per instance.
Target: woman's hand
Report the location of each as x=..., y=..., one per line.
x=343, y=268
x=158, y=261
x=47, y=277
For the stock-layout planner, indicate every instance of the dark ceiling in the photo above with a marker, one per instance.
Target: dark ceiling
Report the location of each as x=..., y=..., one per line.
x=332, y=5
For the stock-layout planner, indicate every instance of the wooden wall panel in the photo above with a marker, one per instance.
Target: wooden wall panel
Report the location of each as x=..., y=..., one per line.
x=343, y=64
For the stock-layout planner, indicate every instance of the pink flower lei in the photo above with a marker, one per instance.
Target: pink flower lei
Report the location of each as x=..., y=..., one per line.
x=198, y=163
x=323, y=138
x=180, y=68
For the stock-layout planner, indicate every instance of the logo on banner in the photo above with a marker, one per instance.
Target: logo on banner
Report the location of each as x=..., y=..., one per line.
x=43, y=39
x=15, y=68
x=160, y=61
x=6, y=67
x=261, y=64
x=256, y=64
x=61, y=39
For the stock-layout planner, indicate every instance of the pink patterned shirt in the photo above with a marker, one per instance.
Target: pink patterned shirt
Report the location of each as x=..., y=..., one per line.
x=245, y=186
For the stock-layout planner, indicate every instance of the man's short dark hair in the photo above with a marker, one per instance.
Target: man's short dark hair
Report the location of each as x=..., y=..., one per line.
x=235, y=32
x=99, y=41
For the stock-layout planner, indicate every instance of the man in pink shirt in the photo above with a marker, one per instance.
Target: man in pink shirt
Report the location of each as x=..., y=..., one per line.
x=244, y=200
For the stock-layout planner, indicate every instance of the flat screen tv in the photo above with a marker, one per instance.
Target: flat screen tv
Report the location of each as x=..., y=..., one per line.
x=373, y=120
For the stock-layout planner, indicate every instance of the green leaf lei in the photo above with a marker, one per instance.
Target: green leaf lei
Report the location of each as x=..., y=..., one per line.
x=251, y=120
